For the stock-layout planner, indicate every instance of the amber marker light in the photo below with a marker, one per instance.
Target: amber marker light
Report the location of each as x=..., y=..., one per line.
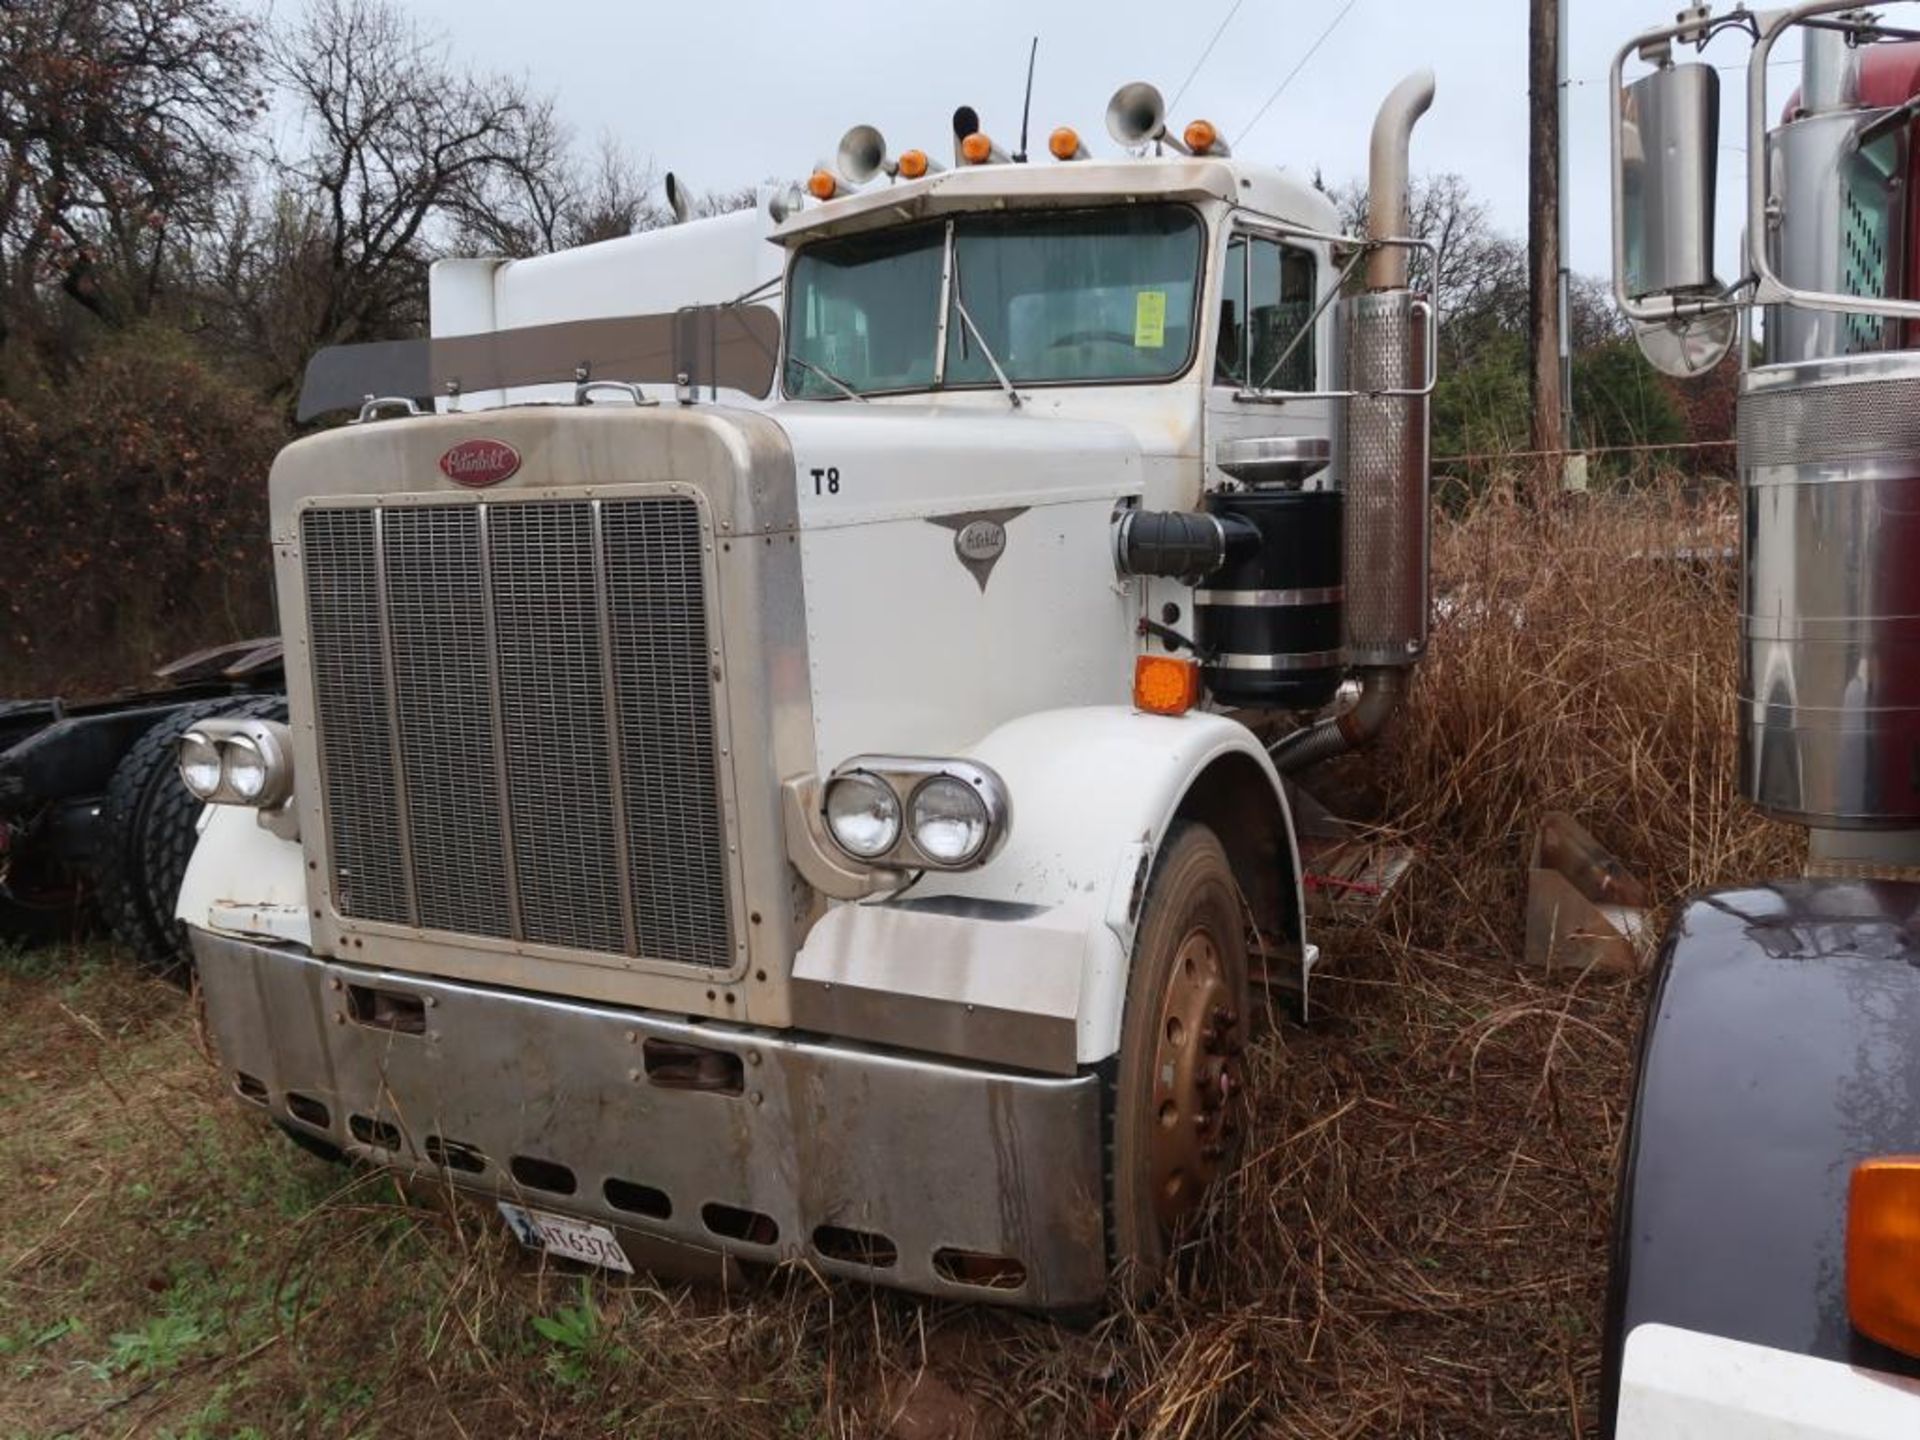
x=976, y=149
x=1201, y=136
x=913, y=164
x=1064, y=143
x=822, y=186
x=1883, y=1250
x=1163, y=685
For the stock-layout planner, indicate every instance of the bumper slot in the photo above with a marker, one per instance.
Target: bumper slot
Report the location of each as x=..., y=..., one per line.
x=939, y=1176
x=375, y=1134
x=308, y=1111
x=638, y=1199
x=454, y=1155
x=545, y=1175
x=387, y=1009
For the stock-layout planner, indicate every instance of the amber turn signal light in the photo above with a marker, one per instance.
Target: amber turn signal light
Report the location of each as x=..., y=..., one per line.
x=913, y=164
x=822, y=186
x=1200, y=136
x=976, y=149
x=1163, y=685
x=1064, y=143
x=1883, y=1251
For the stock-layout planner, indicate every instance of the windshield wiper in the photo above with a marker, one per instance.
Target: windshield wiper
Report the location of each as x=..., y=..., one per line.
x=953, y=244
x=827, y=375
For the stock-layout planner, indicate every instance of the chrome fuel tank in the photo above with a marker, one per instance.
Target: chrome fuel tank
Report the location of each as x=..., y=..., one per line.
x=1830, y=623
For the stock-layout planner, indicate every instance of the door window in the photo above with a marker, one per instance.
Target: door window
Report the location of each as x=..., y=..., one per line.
x=1266, y=297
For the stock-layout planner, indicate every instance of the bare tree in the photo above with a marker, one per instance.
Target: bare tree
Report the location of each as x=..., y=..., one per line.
x=118, y=121
x=565, y=203
x=1483, y=273
x=398, y=150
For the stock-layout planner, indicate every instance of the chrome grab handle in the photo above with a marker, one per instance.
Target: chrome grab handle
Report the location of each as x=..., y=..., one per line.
x=372, y=407
x=1425, y=308
x=586, y=389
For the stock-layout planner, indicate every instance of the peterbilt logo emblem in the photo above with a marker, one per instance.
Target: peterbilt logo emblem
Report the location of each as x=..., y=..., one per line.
x=477, y=464
x=981, y=541
x=979, y=538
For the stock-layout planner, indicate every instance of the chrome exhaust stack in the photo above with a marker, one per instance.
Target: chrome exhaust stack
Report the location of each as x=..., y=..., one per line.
x=1381, y=451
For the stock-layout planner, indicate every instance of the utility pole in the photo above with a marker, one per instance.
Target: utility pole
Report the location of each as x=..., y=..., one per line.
x=1565, y=219
x=1543, y=237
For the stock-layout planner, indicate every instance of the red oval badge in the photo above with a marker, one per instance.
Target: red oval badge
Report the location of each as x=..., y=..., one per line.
x=477, y=464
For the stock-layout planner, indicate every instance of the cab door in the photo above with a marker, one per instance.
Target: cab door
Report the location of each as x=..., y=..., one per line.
x=1269, y=285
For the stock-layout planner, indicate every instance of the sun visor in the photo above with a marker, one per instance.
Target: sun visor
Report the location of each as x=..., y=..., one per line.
x=714, y=347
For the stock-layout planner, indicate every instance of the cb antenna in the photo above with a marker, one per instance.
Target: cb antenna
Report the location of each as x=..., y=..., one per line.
x=1026, y=106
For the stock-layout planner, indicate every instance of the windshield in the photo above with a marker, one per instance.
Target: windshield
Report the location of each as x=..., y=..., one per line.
x=1073, y=297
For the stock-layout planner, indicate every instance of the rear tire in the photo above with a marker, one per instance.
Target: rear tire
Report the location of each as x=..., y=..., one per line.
x=1179, y=1102
x=148, y=825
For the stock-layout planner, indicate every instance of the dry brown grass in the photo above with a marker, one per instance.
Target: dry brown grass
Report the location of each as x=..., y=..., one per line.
x=1414, y=1245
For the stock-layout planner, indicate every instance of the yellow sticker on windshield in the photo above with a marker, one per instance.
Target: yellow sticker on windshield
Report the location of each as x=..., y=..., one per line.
x=1150, y=320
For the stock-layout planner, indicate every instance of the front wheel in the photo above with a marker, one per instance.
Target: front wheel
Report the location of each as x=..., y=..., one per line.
x=1180, y=1091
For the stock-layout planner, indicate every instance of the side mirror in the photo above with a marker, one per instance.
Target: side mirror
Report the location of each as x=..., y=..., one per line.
x=1669, y=155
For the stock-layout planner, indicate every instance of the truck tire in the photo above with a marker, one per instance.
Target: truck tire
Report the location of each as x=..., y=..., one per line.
x=1179, y=1100
x=148, y=824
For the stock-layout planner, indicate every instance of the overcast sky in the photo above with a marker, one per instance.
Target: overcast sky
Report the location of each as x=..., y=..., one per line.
x=728, y=93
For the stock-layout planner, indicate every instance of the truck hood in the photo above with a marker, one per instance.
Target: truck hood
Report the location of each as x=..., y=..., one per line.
x=858, y=464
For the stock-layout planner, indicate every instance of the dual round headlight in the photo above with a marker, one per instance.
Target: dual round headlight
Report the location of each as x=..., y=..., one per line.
x=949, y=820
x=944, y=815
x=237, y=763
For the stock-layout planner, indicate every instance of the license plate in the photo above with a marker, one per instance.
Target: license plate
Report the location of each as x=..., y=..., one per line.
x=566, y=1237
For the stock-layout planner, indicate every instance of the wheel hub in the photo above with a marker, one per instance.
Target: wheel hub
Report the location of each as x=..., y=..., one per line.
x=1198, y=1078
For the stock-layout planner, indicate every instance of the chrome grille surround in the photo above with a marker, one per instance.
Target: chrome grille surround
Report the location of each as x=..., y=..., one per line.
x=515, y=715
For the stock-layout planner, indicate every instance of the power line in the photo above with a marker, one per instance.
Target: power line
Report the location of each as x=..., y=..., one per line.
x=1232, y=11
x=1280, y=89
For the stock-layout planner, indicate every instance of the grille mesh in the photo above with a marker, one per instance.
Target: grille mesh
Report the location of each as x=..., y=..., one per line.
x=533, y=661
x=556, y=724
x=659, y=631
x=444, y=698
x=350, y=702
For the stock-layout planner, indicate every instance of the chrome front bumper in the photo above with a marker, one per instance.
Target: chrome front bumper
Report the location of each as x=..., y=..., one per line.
x=933, y=1176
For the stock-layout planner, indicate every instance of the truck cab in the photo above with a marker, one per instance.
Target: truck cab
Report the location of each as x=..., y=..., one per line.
x=833, y=809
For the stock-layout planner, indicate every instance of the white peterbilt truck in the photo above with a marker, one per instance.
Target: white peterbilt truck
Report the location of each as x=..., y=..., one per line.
x=807, y=782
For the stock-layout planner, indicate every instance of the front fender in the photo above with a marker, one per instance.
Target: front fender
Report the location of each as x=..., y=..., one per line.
x=244, y=880
x=1782, y=1046
x=1046, y=928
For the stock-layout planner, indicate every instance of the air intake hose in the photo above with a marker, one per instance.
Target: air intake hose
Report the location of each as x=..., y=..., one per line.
x=1186, y=545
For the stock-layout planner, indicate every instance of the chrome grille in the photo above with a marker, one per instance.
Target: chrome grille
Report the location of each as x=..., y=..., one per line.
x=548, y=614
x=660, y=629
x=443, y=694
x=351, y=711
x=516, y=726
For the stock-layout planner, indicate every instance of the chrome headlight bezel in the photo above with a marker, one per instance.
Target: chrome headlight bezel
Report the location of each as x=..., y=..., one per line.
x=208, y=757
x=268, y=741
x=847, y=782
x=907, y=777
